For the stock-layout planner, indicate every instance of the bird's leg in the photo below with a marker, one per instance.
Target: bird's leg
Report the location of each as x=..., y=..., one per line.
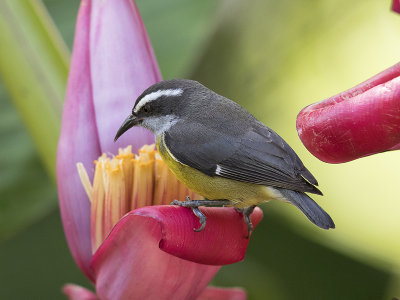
x=194, y=205
x=247, y=211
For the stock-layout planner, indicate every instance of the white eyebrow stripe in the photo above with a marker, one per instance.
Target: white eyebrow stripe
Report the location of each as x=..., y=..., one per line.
x=155, y=95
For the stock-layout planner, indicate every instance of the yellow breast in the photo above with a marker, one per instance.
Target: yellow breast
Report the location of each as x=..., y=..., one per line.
x=242, y=194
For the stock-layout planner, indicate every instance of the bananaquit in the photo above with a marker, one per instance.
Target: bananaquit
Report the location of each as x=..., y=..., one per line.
x=222, y=152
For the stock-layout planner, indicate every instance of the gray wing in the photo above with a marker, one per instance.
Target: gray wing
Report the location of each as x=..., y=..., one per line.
x=257, y=155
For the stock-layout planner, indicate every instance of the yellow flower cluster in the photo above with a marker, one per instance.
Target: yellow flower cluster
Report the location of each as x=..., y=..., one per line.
x=126, y=182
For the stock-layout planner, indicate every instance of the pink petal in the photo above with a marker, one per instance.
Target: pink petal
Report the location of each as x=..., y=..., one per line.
x=362, y=121
x=216, y=293
x=131, y=265
x=78, y=143
x=225, y=230
x=76, y=292
x=112, y=63
x=396, y=6
x=122, y=67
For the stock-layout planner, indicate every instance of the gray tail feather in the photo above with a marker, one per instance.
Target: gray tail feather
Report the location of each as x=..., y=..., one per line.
x=309, y=207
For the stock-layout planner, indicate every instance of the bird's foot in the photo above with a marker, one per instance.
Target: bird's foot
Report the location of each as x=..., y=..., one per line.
x=247, y=211
x=194, y=205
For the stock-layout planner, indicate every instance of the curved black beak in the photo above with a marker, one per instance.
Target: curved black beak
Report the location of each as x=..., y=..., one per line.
x=128, y=123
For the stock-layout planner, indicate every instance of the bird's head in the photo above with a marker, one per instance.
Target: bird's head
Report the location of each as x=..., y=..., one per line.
x=163, y=104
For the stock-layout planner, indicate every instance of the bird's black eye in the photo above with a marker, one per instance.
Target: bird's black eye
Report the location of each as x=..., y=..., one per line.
x=146, y=108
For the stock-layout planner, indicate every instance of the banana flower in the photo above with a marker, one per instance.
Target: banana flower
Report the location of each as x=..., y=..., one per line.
x=128, y=249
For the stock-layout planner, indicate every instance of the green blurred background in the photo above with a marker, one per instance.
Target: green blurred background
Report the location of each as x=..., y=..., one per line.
x=274, y=58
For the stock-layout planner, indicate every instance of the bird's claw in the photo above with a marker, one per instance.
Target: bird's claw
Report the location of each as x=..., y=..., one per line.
x=247, y=211
x=194, y=205
x=202, y=219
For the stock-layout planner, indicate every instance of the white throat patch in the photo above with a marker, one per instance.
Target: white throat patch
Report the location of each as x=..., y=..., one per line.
x=160, y=124
x=155, y=95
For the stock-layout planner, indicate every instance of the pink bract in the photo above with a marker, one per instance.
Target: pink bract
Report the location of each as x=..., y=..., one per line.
x=361, y=121
x=158, y=243
x=104, y=80
x=396, y=6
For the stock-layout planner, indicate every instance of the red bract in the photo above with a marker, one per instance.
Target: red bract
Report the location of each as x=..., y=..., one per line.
x=143, y=254
x=151, y=252
x=396, y=6
x=362, y=121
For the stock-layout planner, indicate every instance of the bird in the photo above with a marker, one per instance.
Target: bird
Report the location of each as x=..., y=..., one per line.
x=221, y=151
